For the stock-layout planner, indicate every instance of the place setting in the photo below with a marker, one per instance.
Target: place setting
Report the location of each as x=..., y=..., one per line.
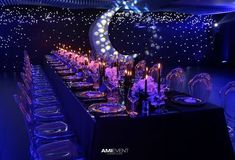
x=80, y=85
x=66, y=72
x=187, y=100
x=92, y=96
x=72, y=78
x=106, y=108
x=61, y=68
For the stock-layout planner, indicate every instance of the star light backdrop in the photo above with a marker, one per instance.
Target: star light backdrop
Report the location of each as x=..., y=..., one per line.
x=163, y=37
x=166, y=37
x=40, y=30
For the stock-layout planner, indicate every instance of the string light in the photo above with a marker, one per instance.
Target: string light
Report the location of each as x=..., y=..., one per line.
x=40, y=29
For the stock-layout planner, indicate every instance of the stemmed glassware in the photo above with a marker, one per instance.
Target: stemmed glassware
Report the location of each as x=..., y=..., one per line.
x=95, y=76
x=112, y=86
x=158, y=102
x=133, y=101
x=86, y=73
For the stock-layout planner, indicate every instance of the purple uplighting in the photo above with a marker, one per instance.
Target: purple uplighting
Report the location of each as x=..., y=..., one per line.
x=117, y=79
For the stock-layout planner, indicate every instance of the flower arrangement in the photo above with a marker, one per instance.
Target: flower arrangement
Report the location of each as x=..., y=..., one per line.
x=80, y=59
x=138, y=88
x=153, y=96
x=93, y=66
x=111, y=74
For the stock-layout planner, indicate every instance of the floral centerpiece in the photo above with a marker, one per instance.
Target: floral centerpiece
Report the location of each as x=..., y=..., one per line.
x=80, y=60
x=93, y=66
x=111, y=74
x=155, y=98
x=138, y=88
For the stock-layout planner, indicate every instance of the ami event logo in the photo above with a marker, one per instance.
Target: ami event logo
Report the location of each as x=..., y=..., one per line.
x=115, y=151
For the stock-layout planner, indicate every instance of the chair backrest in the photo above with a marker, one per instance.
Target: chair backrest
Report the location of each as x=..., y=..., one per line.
x=153, y=72
x=27, y=83
x=227, y=94
x=140, y=70
x=23, y=109
x=23, y=92
x=175, y=79
x=200, y=86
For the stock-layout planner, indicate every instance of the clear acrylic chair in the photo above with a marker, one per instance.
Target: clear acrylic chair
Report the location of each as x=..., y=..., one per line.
x=200, y=86
x=60, y=150
x=175, y=80
x=153, y=72
x=227, y=94
x=140, y=70
x=43, y=134
x=24, y=111
x=43, y=114
x=48, y=128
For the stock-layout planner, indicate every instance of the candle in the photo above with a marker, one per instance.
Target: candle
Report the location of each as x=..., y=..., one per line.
x=146, y=71
x=100, y=73
x=89, y=54
x=146, y=86
x=103, y=68
x=100, y=68
x=125, y=78
x=159, y=77
x=86, y=61
x=125, y=72
x=117, y=65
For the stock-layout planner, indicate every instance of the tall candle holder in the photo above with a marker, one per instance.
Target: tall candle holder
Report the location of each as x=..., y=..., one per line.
x=145, y=102
x=127, y=83
x=159, y=101
x=117, y=65
x=159, y=78
x=86, y=61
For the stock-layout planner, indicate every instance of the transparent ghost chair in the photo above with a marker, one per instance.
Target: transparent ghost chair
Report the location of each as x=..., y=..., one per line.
x=41, y=132
x=40, y=100
x=49, y=140
x=153, y=72
x=200, y=86
x=39, y=115
x=227, y=94
x=175, y=80
x=60, y=150
x=140, y=70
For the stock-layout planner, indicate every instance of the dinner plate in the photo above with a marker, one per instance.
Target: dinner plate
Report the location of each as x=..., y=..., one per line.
x=187, y=100
x=46, y=99
x=72, y=78
x=61, y=68
x=54, y=62
x=91, y=94
x=57, y=64
x=65, y=72
x=43, y=91
x=106, y=108
x=80, y=85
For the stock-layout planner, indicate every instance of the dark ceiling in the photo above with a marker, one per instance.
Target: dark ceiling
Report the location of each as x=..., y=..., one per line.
x=202, y=7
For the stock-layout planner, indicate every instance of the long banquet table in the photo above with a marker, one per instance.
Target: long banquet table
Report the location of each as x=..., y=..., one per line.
x=187, y=133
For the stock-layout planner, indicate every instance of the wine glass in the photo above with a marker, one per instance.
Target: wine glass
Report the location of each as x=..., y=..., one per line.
x=158, y=101
x=86, y=73
x=133, y=100
x=95, y=76
x=111, y=86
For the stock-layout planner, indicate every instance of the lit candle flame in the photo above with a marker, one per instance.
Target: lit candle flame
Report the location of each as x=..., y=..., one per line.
x=159, y=65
